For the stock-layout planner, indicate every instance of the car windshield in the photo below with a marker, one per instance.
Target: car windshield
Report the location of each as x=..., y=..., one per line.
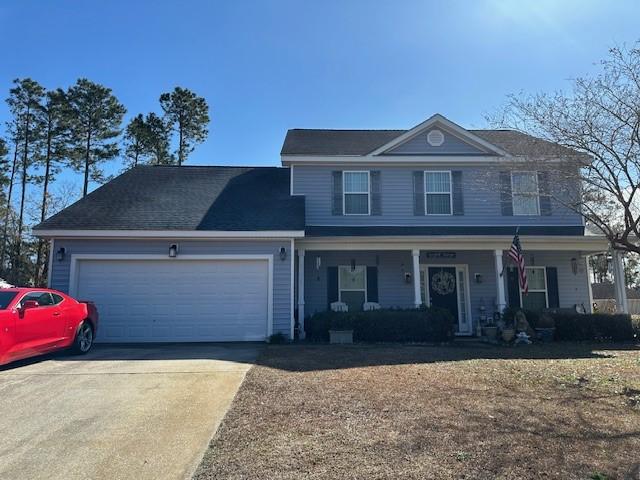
x=5, y=299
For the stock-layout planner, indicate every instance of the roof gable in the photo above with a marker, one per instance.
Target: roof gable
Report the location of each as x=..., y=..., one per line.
x=438, y=136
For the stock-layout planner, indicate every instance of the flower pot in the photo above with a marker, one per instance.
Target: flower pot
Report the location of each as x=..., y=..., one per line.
x=508, y=334
x=490, y=332
x=341, y=336
x=545, y=334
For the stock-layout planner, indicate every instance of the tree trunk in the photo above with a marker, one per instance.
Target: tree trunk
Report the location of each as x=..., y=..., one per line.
x=43, y=208
x=5, y=227
x=25, y=159
x=180, y=146
x=86, y=164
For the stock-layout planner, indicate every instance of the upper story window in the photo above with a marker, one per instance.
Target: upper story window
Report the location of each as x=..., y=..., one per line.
x=437, y=188
x=356, y=188
x=525, y=193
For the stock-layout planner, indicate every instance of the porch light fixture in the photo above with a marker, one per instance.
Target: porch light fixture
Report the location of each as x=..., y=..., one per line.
x=574, y=266
x=173, y=251
x=407, y=277
x=353, y=265
x=283, y=253
x=478, y=277
x=318, y=263
x=60, y=254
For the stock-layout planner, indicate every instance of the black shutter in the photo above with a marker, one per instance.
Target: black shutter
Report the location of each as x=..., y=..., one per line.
x=552, y=287
x=376, y=194
x=418, y=193
x=336, y=193
x=458, y=198
x=505, y=194
x=332, y=286
x=513, y=287
x=372, y=284
x=545, y=196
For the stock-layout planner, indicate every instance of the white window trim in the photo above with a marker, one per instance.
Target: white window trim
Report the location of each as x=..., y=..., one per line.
x=439, y=193
x=340, y=289
x=537, y=214
x=345, y=193
x=546, y=286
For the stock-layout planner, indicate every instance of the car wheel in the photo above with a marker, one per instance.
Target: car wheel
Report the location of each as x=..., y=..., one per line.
x=84, y=339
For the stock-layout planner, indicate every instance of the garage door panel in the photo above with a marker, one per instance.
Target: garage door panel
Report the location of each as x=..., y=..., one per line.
x=172, y=300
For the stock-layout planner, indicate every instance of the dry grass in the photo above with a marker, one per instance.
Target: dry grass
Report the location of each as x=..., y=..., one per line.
x=416, y=412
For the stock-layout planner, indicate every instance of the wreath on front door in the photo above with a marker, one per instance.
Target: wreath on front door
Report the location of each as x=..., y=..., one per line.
x=443, y=283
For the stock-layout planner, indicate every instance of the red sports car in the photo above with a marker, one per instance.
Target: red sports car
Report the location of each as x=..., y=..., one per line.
x=34, y=321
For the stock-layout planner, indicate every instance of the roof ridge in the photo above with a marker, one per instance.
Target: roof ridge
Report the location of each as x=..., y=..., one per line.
x=209, y=166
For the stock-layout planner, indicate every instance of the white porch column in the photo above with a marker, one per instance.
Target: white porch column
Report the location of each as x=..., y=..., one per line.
x=301, y=333
x=620, y=286
x=417, y=297
x=501, y=299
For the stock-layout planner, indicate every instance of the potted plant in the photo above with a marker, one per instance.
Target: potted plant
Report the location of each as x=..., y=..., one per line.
x=341, y=329
x=490, y=331
x=545, y=328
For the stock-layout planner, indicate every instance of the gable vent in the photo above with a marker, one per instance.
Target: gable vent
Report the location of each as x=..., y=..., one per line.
x=435, y=138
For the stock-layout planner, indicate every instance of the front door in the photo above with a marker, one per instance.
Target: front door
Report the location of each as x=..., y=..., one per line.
x=443, y=291
x=446, y=286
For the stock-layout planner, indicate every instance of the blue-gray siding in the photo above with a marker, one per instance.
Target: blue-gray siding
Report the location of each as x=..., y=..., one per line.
x=452, y=145
x=281, y=269
x=394, y=291
x=480, y=191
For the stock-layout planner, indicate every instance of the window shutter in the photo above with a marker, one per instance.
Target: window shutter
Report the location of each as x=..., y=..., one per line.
x=552, y=287
x=376, y=194
x=458, y=198
x=332, y=286
x=505, y=194
x=372, y=284
x=336, y=193
x=513, y=287
x=545, y=196
x=418, y=193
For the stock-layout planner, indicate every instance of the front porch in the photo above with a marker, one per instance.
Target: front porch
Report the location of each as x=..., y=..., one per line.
x=470, y=281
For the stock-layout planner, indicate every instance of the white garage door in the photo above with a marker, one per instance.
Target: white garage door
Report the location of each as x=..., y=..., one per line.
x=177, y=300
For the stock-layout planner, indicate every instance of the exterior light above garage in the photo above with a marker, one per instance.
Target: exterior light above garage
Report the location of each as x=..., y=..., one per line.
x=173, y=251
x=60, y=254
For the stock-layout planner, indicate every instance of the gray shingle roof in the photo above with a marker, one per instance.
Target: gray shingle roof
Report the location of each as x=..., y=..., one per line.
x=187, y=198
x=361, y=142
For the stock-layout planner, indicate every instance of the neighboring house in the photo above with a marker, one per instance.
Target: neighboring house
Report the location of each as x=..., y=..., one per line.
x=397, y=218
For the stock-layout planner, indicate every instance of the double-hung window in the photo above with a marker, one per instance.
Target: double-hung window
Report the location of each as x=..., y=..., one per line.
x=524, y=190
x=537, y=298
x=356, y=193
x=437, y=188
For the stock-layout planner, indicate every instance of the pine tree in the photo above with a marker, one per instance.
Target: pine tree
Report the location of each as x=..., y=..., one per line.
x=95, y=121
x=158, y=140
x=24, y=102
x=188, y=115
x=135, y=140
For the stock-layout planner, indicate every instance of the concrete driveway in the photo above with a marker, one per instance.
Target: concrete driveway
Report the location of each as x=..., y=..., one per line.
x=143, y=412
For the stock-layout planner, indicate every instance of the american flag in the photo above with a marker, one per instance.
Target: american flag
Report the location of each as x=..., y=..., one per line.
x=515, y=253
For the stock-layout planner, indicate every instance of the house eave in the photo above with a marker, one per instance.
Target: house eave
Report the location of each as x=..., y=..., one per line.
x=169, y=234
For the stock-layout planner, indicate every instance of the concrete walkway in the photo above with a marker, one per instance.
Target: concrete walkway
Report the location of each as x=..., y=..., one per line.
x=143, y=412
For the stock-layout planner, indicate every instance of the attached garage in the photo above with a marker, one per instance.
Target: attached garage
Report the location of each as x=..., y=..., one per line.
x=188, y=299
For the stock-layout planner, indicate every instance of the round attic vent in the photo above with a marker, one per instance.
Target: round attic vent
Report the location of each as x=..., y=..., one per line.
x=435, y=138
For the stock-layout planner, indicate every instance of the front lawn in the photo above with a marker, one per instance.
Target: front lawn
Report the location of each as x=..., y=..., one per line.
x=416, y=412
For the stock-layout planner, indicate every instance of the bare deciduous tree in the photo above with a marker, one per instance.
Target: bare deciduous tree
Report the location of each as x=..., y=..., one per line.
x=600, y=119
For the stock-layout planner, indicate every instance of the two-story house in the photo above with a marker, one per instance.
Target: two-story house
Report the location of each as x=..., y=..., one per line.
x=392, y=218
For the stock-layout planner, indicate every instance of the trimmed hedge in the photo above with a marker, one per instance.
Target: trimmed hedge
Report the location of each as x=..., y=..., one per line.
x=391, y=325
x=595, y=326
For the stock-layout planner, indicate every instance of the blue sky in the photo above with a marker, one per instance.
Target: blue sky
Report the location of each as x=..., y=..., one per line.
x=267, y=66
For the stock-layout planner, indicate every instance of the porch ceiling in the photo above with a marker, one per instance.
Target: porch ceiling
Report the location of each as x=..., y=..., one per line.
x=585, y=244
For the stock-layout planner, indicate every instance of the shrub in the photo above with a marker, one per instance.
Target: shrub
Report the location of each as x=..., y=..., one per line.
x=389, y=325
x=509, y=316
x=596, y=326
x=278, y=338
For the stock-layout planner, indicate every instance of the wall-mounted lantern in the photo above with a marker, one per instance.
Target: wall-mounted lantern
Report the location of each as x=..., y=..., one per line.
x=407, y=277
x=173, y=251
x=60, y=253
x=574, y=266
x=318, y=263
x=353, y=265
x=283, y=253
x=478, y=277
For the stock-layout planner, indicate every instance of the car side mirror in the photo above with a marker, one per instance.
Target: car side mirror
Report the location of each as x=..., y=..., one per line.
x=27, y=305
